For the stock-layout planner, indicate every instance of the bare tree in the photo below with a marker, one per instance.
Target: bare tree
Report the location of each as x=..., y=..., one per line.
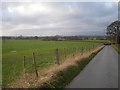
x=113, y=31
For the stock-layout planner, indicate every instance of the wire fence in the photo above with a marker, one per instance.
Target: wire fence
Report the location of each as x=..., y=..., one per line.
x=39, y=61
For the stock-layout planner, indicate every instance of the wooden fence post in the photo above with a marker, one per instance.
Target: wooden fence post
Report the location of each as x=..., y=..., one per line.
x=65, y=52
x=93, y=46
x=34, y=60
x=76, y=50
x=81, y=50
x=57, y=56
x=24, y=65
x=73, y=51
x=84, y=49
x=89, y=48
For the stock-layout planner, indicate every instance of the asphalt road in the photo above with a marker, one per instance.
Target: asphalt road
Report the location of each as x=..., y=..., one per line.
x=101, y=72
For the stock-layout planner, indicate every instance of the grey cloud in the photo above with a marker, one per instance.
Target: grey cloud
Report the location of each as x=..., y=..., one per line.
x=66, y=18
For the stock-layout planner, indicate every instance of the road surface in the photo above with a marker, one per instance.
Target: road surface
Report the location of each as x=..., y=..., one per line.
x=101, y=72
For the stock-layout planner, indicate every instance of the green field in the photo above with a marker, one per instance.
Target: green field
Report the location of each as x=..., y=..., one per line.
x=14, y=50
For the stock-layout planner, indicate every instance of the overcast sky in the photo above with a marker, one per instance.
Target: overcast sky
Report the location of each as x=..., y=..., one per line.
x=60, y=18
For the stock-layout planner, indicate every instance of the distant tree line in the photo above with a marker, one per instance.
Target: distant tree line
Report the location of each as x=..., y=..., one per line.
x=55, y=38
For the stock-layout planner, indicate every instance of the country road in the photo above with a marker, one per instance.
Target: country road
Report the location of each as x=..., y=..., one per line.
x=101, y=72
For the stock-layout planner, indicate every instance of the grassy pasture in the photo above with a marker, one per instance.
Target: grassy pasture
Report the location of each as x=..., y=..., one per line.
x=14, y=50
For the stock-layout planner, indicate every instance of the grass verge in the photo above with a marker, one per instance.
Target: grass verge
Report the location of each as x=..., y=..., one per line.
x=117, y=48
x=62, y=78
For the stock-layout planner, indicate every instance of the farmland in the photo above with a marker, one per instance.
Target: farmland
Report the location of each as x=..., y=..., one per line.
x=14, y=50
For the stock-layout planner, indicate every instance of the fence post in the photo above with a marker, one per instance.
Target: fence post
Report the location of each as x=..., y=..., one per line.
x=65, y=52
x=76, y=50
x=57, y=56
x=93, y=46
x=89, y=48
x=81, y=50
x=34, y=60
x=24, y=65
x=84, y=49
x=73, y=51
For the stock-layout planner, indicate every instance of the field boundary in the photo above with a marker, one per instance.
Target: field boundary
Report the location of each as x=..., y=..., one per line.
x=63, y=77
x=47, y=73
